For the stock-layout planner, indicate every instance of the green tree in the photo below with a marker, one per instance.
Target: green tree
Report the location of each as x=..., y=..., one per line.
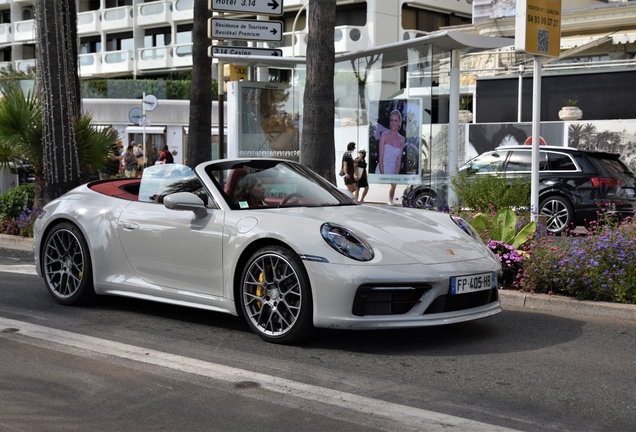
x=21, y=137
x=59, y=88
x=199, y=135
x=317, y=149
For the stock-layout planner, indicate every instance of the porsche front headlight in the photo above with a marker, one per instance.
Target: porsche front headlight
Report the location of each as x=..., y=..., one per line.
x=346, y=242
x=466, y=227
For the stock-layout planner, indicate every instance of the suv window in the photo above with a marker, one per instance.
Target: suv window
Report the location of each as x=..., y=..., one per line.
x=561, y=162
x=488, y=162
x=610, y=166
x=521, y=161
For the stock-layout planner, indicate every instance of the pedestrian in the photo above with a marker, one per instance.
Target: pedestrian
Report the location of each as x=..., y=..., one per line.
x=349, y=168
x=361, y=175
x=166, y=157
x=130, y=162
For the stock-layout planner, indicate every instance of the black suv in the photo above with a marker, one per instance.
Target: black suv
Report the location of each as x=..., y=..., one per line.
x=573, y=184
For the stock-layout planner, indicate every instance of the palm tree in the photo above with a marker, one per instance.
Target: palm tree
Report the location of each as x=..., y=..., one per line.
x=199, y=138
x=21, y=131
x=317, y=146
x=59, y=87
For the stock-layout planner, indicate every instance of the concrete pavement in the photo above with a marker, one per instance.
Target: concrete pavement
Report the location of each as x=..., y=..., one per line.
x=538, y=302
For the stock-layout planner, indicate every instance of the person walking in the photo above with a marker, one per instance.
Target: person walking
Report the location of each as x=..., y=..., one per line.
x=348, y=165
x=130, y=162
x=361, y=176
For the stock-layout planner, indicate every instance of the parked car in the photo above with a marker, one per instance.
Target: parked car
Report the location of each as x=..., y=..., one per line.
x=297, y=254
x=574, y=185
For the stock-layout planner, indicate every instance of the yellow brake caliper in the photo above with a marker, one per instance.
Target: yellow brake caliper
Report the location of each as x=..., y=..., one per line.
x=260, y=291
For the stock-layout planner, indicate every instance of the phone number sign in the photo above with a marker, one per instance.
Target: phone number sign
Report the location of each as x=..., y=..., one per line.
x=538, y=27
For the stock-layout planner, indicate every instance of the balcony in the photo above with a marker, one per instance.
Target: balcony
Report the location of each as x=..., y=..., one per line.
x=5, y=33
x=117, y=18
x=24, y=65
x=117, y=62
x=154, y=13
x=350, y=38
x=183, y=10
x=182, y=56
x=346, y=39
x=89, y=64
x=153, y=58
x=89, y=22
x=23, y=31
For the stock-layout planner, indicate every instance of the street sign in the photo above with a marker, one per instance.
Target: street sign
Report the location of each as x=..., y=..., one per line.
x=246, y=51
x=135, y=115
x=149, y=103
x=256, y=7
x=249, y=30
x=538, y=27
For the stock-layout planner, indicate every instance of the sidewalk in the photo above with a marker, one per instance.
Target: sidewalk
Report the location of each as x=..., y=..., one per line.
x=16, y=242
x=539, y=302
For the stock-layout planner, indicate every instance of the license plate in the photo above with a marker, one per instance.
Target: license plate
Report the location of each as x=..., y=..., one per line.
x=472, y=283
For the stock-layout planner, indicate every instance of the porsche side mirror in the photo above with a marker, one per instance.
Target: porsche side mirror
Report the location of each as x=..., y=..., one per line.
x=186, y=201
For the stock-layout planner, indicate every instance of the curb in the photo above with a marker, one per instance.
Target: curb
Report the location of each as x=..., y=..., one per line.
x=508, y=298
x=563, y=304
x=16, y=242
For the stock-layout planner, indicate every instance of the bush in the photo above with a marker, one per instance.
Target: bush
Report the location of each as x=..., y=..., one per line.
x=491, y=193
x=599, y=266
x=15, y=200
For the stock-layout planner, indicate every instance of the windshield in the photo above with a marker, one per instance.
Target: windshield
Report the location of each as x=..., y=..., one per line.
x=266, y=183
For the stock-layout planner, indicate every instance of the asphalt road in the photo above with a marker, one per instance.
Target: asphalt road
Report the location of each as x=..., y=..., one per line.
x=132, y=365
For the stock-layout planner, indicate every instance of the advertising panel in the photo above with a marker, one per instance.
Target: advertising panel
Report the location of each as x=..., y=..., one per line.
x=394, y=141
x=267, y=120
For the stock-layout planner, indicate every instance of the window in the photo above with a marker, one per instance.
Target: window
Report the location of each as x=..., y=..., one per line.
x=561, y=162
x=521, y=161
x=161, y=180
x=414, y=18
x=486, y=163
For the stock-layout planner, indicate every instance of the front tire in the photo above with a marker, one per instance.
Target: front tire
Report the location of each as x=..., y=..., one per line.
x=275, y=295
x=424, y=200
x=66, y=265
x=559, y=214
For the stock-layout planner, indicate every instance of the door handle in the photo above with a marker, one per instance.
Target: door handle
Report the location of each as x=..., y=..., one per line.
x=128, y=226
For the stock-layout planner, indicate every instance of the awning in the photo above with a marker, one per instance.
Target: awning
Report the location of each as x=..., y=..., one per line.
x=215, y=130
x=149, y=129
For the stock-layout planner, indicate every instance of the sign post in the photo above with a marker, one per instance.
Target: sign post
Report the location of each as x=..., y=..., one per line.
x=537, y=32
x=222, y=28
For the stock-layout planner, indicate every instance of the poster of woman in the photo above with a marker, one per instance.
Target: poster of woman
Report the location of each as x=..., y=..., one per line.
x=394, y=142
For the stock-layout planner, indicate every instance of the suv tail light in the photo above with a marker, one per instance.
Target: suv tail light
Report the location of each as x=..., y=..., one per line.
x=605, y=182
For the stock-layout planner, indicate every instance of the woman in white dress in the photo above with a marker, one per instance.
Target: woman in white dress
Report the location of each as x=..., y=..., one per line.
x=390, y=149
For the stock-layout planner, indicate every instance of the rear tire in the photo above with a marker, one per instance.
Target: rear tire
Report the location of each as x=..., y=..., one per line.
x=66, y=265
x=275, y=296
x=559, y=214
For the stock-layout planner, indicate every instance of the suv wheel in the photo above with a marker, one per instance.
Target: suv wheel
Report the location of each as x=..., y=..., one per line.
x=559, y=213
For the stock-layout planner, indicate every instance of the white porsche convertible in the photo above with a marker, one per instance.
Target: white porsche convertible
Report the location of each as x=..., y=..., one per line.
x=266, y=239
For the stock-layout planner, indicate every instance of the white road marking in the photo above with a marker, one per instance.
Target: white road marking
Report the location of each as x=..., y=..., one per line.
x=19, y=268
x=411, y=418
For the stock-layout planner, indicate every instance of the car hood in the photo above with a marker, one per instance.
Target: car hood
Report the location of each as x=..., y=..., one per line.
x=426, y=237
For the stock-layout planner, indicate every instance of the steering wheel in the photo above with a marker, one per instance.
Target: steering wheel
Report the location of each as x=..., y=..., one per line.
x=289, y=197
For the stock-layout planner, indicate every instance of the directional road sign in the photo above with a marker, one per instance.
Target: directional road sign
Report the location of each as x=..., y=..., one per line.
x=257, y=7
x=246, y=51
x=135, y=115
x=250, y=30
